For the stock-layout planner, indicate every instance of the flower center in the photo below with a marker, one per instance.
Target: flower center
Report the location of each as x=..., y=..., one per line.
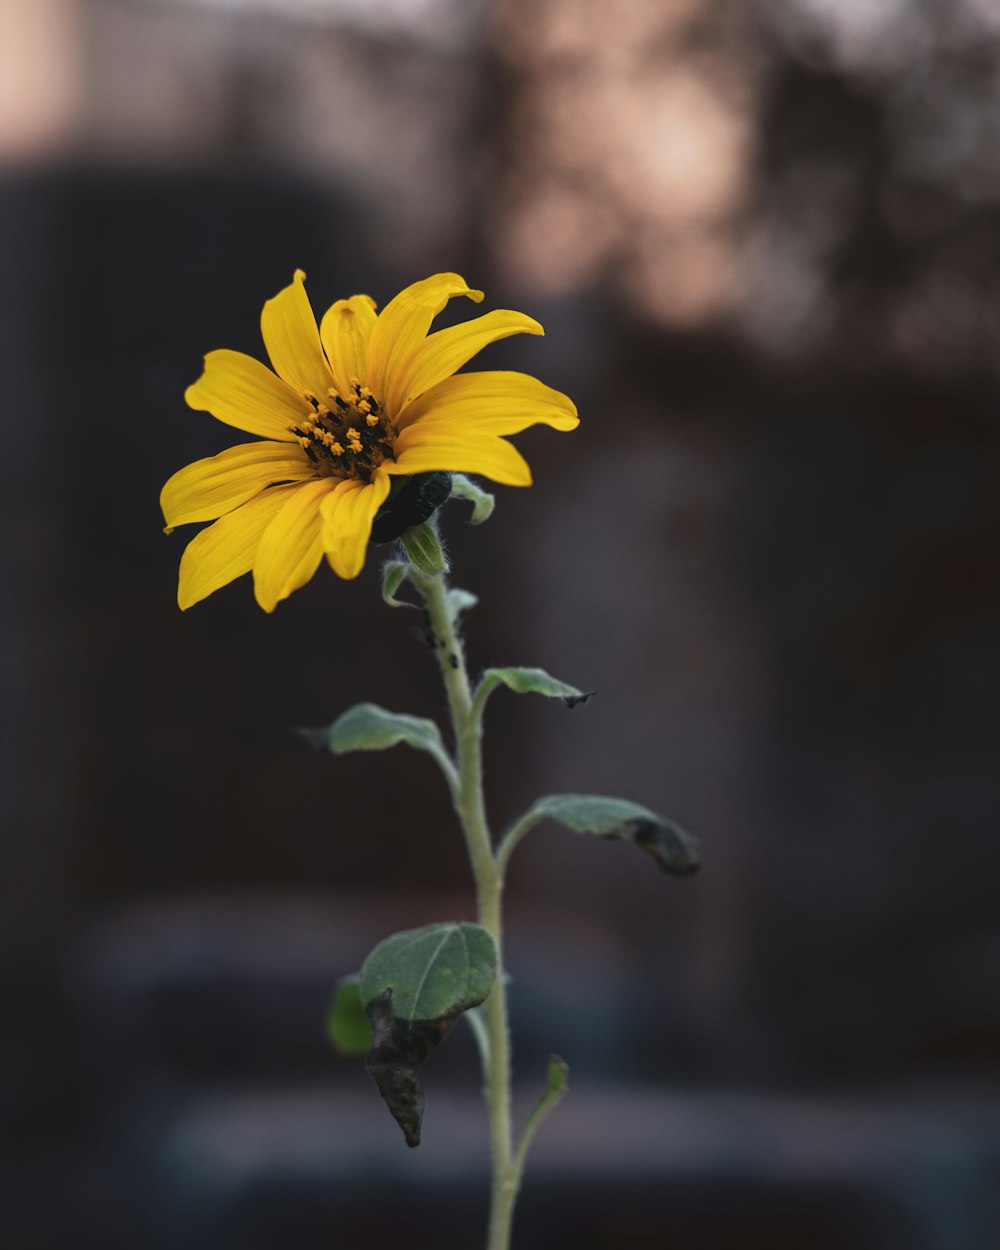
x=345, y=436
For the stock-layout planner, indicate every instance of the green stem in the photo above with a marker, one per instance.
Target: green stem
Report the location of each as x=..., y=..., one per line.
x=548, y=1102
x=514, y=835
x=477, y=1026
x=471, y=810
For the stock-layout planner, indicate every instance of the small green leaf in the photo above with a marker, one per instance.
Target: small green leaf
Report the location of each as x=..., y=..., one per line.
x=394, y=573
x=675, y=850
x=368, y=727
x=423, y=548
x=558, y=1076
x=414, y=986
x=458, y=601
x=531, y=681
x=347, y=1024
x=482, y=501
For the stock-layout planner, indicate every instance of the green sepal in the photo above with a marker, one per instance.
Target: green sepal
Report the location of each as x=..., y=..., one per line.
x=531, y=681
x=422, y=545
x=412, y=499
x=414, y=986
x=394, y=573
x=482, y=501
x=674, y=849
x=347, y=1024
x=368, y=727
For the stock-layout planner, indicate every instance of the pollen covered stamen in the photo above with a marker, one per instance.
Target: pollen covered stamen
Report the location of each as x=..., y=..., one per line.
x=344, y=435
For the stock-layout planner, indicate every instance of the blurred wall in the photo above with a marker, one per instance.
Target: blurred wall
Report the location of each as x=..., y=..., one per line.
x=763, y=241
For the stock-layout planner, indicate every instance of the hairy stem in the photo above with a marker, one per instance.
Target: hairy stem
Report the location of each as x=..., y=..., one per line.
x=548, y=1102
x=470, y=807
x=513, y=837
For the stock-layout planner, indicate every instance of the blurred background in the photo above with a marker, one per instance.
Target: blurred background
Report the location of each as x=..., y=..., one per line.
x=764, y=240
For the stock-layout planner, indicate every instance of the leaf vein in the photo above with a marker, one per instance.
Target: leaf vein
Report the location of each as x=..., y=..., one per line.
x=427, y=969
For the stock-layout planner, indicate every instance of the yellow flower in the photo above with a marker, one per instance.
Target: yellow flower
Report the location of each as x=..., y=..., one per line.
x=362, y=399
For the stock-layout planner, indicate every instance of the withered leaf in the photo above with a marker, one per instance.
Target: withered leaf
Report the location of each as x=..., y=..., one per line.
x=414, y=986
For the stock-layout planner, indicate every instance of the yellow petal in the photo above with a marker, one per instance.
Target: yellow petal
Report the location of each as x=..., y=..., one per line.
x=345, y=330
x=212, y=487
x=347, y=521
x=499, y=402
x=441, y=354
x=403, y=323
x=292, y=340
x=429, y=445
x=290, y=549
x=242, y=392
x=224, y=551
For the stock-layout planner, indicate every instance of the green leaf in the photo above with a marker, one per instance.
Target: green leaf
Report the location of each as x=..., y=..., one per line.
x=531, y=681
x=423, y=548
x=432, y=972
x=458, y=601
x=414, y=986
x=368, y=727
x=482, y=501
x=558, y=1076
x=347, y=1024
x=675, y=850
x=394, y=573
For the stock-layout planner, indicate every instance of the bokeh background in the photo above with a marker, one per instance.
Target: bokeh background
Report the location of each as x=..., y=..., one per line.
x=764, y=239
